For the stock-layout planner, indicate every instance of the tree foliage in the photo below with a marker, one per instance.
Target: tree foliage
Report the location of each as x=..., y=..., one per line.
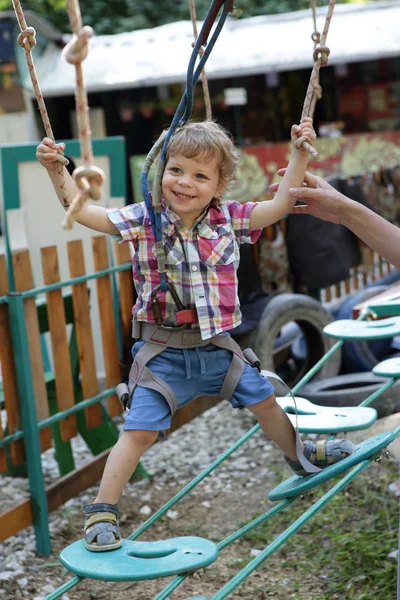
x=115, y=16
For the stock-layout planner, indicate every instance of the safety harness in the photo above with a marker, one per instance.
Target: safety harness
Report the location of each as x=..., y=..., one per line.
x=158, y=338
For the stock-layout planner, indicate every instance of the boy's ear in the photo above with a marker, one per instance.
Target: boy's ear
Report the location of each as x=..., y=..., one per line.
x=221, y=189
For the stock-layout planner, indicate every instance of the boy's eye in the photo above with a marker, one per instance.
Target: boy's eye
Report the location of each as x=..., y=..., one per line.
x=175, y=169
x=201, y=176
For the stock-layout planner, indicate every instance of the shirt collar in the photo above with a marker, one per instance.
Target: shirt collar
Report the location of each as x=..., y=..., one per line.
x=212, y=216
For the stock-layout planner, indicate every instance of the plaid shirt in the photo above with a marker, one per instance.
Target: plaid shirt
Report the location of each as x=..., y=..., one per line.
x=201, y=261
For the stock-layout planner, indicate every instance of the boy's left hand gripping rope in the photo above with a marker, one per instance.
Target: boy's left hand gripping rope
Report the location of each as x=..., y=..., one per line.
x=88, y=178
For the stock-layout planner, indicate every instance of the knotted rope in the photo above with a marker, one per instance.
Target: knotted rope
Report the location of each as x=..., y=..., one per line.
x=204, y=81
x=316, y=38
x=88, y=178
x=321, y=53
x=27, y=41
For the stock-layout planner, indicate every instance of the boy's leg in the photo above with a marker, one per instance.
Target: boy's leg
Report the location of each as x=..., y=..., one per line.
x=101, y=516
x=122, y=462
x=276, y=425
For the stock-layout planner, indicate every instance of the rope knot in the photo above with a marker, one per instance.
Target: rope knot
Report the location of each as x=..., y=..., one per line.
x=316, y=37
x=317, y=91
x=28, y=34
x=321, y=53
x=77, y=48
x=89, y=180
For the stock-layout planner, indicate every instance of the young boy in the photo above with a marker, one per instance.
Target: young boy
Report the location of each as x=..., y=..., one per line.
x=201, y=237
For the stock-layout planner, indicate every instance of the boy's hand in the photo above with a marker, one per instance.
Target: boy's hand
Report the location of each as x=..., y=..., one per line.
x=303, y=133
x=49, y=154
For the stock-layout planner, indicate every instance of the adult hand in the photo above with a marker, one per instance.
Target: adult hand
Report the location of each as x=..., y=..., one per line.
x=321, y=199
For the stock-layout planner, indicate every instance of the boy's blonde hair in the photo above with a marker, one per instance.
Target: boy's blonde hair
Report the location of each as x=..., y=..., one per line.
x=206, y=140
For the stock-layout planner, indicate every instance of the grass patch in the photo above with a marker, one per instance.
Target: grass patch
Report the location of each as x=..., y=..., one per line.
x=341, y=553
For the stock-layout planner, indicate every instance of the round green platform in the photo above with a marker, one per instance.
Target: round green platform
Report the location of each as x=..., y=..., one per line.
x=388, y=368
x=297, y=485
x=136, y=561
x=312, y=418
x=363, y=330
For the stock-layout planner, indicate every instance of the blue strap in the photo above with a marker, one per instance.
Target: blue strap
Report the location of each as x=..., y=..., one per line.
x=182, y=114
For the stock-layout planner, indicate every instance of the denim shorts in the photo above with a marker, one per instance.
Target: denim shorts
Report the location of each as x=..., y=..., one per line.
x=191, y=373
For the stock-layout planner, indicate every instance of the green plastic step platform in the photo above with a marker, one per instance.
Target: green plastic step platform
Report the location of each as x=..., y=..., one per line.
x=136, y=561
x=347, y=329
x=298, y=485
x=388, y=368
x=327, y=419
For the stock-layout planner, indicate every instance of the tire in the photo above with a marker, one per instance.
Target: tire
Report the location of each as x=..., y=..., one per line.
x=363, y=355
x=351, y=390
x=310, y=316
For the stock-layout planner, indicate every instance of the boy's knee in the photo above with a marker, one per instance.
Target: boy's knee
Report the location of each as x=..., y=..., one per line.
x=265, y=405
x=141, y=437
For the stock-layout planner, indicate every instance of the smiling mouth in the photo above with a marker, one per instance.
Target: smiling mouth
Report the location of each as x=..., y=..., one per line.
x=183, y=196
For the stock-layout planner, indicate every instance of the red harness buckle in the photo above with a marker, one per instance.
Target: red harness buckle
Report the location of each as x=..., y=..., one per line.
x=188, y=315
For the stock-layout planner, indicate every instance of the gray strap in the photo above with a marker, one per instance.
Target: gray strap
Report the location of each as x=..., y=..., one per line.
x=305, y=463
x=232, y=378
x=140, y=374
x=251, y=356
x=150, y=380
x=143, y=356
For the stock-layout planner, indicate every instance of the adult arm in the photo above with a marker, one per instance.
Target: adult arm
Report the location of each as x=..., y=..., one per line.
x=324, y=202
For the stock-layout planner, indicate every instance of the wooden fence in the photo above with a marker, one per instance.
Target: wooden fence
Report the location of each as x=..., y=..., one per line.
x=72, y=377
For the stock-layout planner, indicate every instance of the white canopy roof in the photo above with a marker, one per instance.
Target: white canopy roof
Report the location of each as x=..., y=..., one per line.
x=358, y=32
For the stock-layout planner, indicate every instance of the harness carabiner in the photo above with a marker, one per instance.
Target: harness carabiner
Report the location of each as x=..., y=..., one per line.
x=155, y=304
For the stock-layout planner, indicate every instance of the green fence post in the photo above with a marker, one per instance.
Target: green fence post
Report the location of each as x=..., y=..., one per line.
x=29, y=423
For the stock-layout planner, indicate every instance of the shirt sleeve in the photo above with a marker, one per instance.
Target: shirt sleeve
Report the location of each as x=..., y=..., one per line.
x=240, y=220
x=129, y=220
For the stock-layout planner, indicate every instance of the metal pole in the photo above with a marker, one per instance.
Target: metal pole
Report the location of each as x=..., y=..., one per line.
x=19, y=338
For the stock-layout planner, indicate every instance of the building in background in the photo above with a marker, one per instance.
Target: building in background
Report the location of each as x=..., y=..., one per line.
x=135, y=79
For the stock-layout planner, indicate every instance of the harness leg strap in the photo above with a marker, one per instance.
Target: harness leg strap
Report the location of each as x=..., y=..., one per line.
x=151, y=381
x=141, y=375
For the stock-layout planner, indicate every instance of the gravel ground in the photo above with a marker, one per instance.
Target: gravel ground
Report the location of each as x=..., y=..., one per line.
x=235, y=493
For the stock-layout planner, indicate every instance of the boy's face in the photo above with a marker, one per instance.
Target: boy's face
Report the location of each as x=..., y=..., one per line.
x=189, y=184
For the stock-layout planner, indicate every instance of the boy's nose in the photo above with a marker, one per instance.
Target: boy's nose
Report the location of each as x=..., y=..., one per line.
x=185, y=181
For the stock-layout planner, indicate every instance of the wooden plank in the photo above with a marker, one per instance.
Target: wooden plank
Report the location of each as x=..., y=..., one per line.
x=83, y=326
x=10, y=389
x=391, y=291
x=74, y=483
x=59, y=342
x=17, y=518
x=24, y=281
x=127, y=294
x=356, y=280
x=107, y=322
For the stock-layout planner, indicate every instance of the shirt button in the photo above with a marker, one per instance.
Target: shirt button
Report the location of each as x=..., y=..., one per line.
x=194, y=268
